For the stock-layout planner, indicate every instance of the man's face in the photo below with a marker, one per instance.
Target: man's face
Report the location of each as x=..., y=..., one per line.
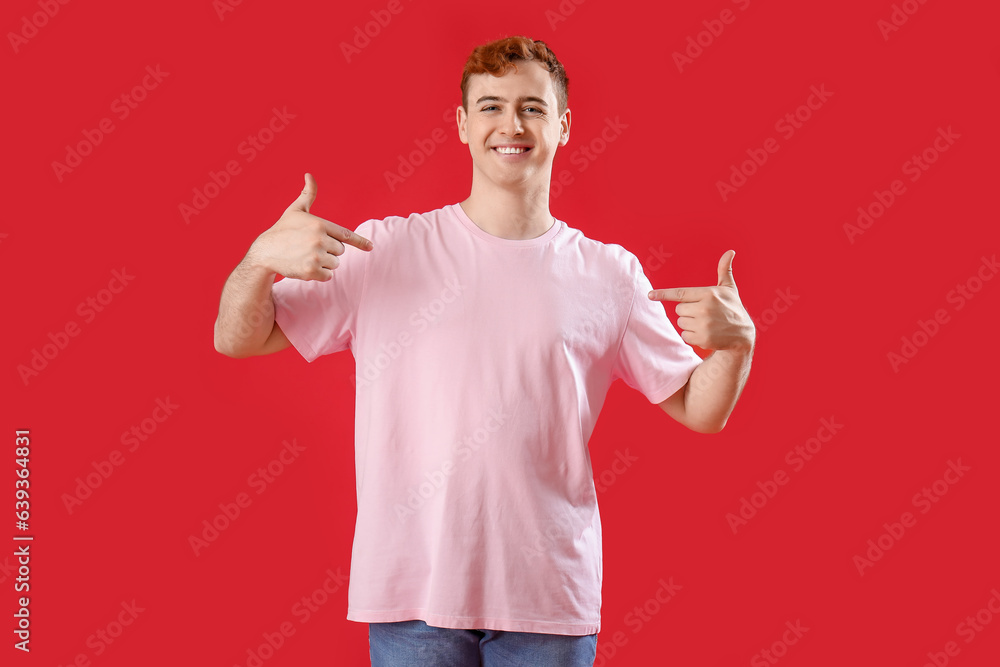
x=513, y=125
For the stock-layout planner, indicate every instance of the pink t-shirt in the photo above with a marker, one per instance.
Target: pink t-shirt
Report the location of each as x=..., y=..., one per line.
x=482, y=364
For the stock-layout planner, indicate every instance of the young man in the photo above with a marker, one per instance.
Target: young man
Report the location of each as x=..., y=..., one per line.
x=486, y=335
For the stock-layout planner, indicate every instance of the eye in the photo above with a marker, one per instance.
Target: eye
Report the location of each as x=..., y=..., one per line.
x=492, y=106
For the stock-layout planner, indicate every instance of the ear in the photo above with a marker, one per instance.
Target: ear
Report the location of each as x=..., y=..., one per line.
x=564, y=124
x=461, y=118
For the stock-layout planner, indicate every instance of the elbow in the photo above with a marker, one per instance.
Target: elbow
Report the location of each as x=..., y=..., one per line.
x=219, y=343
x=222, y=349
x=708, y=427
x=222, y=346
x=230, y=352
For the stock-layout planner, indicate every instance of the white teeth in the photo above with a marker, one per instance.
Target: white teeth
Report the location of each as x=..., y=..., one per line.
x=508, y=150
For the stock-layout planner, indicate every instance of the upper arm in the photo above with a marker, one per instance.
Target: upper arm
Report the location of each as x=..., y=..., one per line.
x=676, y=407
x=276, y=341
x=674, y=404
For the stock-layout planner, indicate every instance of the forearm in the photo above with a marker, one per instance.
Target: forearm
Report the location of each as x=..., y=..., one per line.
x=714, y=387
x=246, y=311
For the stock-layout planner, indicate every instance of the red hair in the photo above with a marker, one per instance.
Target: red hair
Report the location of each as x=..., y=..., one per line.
x=498, y=58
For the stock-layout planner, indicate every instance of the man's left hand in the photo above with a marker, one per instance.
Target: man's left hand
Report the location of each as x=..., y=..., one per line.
x=713, y=318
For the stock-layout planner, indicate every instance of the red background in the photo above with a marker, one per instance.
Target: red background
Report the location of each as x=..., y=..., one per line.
x=654, y=188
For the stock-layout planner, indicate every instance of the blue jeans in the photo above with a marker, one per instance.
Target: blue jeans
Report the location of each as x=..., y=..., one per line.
x=416, y=644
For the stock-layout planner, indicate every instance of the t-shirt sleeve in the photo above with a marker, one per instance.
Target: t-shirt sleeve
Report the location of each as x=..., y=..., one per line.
x=652, y=357
x=320, y=317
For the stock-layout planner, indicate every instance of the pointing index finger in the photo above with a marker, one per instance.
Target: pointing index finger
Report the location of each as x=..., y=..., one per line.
x=345, y=235
x=682, y=294
x=356, y=240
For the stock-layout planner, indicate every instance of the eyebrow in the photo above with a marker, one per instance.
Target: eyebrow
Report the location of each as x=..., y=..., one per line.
x=494, y=98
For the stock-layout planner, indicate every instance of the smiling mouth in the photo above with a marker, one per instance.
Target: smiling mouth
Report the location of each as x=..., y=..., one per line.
x=509, y=150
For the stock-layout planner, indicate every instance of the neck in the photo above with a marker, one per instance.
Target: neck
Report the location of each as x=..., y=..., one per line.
x=519, y=213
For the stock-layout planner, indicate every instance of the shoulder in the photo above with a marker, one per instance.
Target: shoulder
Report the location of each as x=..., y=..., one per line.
x=609, y=256
x=413, y=225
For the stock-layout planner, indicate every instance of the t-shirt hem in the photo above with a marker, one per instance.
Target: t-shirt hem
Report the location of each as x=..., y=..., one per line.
x=669, y=389
x=474, y=622
x=293, y=331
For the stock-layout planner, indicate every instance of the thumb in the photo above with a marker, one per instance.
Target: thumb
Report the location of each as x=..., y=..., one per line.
x=307, y=196
x=726, y=269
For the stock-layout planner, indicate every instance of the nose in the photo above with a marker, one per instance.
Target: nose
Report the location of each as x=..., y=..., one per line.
x=511, y=124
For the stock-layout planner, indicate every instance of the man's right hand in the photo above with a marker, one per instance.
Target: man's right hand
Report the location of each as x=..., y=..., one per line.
x=301, y=245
